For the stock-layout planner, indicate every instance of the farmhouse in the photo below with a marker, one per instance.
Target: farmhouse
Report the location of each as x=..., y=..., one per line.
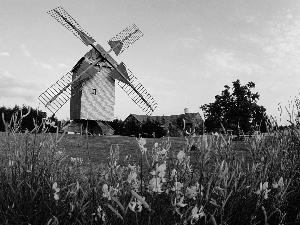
x=173, y=123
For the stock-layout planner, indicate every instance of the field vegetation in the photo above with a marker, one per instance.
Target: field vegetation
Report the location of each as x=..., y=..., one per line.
x=71, y=179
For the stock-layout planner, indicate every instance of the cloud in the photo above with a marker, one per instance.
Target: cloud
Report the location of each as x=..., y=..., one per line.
x=4, y=54
x=62, y=65
x=44, y=65
x=11, y=87
x=25, y=50
x=227, y=63
x=185, y=43
x=27, y=53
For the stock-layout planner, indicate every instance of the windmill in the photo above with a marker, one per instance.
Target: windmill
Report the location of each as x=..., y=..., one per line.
x=90, y=85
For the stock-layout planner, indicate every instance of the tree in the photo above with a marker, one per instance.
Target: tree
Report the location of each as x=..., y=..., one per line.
x=27, y=121
x=132, y=127
x=235, y=109
x=152, y=126
x=118, y=126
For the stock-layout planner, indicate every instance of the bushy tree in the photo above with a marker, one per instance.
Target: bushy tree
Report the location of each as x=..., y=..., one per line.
x=150, y=127
x=132, y=127
x=118, y=125
x=236, y=108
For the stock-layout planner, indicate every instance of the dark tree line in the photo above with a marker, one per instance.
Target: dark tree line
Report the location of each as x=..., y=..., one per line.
x=13, y=116
x=148, y=128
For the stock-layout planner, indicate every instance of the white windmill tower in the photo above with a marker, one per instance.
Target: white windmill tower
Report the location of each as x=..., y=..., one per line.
x=90, y=85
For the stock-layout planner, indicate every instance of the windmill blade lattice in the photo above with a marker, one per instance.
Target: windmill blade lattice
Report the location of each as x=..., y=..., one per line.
x=125, y=38
x=63, y=94
x=138, y=94
x=67, y=21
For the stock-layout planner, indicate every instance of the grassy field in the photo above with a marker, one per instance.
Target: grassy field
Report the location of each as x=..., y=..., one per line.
x=202, y=180
x=98, y=147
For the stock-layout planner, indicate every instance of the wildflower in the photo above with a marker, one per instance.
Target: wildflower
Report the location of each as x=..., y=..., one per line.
x=76, y=160
x=10, y=162
x=180, y=203
x=191, y=192
x=56, y=189
x=155, y=184
x=196, y=214
x=106, y=193
x=280, y=183
x=173, y=173
x=101, y=213
x=131, y=176
x=177, y=187
x=156, y=145
x=136, y=205
x=141, y=143
x=163, y=152
x=263, y=189
x=161, y=170
x=180, y=156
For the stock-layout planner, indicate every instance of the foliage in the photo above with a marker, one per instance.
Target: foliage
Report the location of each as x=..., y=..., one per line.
x=150, y=128
x=204, y=183
x=19, y=112
x=132, y=127
x=235, y=109
x=118, y=126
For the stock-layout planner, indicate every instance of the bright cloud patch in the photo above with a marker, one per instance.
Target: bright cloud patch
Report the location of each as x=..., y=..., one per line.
x=220, y=62
x=44, y=65
x=4, y=53
x=62, y=65
x=12, y=87
x=25, y=51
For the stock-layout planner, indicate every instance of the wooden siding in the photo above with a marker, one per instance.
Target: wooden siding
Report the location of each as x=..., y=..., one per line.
x=99, y=105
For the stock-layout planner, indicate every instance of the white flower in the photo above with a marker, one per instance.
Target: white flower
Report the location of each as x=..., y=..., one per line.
x=155, y=184
x=191, y=192
x=141, y=141
x=10, y=162
x=180, y=203
x=156, y=145
x=263, y=189
x=106, y=193
x=280, y=183
x=56, y=189
x=56, y=196
x=131, y=176
x=196, y=214
x=132, y=205
x=177, y=187
x=136, y=205
x=173, y=173
x=180, y=156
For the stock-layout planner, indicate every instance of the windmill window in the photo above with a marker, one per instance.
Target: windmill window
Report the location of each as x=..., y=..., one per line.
x=94, y=91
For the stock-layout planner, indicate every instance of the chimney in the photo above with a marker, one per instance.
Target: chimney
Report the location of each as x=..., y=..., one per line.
x=186, y=110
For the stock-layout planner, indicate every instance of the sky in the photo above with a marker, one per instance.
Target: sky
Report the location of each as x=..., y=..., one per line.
x=189, y=51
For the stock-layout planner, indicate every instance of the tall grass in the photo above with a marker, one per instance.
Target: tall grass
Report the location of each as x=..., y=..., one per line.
x=206, y=182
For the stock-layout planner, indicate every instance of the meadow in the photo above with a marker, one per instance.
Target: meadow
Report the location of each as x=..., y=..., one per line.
x=210, y=179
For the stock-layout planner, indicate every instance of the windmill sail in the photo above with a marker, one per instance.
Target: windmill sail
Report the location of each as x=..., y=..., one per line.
x=136, y=91
x=69, y=85
x=67, y=21
x=125, y=38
